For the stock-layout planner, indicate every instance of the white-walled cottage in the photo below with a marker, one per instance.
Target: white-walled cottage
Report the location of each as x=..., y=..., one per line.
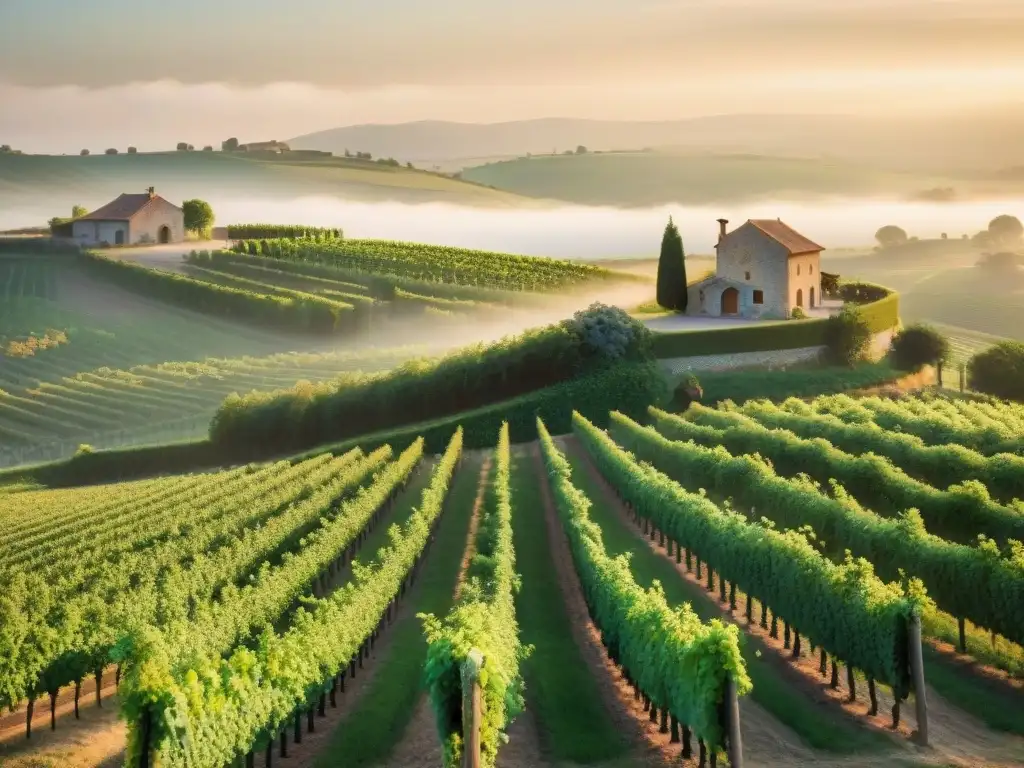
x=130, y=220
x=764, y=269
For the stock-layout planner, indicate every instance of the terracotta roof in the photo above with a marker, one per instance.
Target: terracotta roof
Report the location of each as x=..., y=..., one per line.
x=786, y=236
x=122, y=209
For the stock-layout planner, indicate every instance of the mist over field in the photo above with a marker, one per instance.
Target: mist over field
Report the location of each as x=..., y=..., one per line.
x=578, y=232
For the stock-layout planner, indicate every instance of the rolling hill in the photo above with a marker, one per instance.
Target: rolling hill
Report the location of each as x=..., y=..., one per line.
x=40, y=186
x=968, y=140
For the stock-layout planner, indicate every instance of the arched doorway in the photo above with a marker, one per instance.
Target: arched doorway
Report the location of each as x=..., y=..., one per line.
x=811, y=297
x=799, y=297
x=164, y=234
x=730, y=301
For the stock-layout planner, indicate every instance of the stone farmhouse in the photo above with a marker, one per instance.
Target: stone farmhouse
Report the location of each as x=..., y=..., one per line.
x=131, y=220
x=764, y=269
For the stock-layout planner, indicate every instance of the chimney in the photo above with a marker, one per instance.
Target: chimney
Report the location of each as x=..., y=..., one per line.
x=152, y=192
x=721, y=228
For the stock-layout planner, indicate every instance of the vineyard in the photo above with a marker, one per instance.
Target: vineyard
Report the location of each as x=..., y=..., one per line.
x=144, y=404
x=431, y=263
x=823, y=581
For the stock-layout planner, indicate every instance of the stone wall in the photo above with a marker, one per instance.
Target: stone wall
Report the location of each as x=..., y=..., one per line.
x=775, y=358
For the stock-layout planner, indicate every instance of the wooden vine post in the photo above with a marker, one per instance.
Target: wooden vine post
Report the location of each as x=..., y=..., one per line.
x=732, y=714
x=917, y=676
x=472, y=709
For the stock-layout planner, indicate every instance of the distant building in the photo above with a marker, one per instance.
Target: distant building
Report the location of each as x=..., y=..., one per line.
x=131, y=219
x=264, y=146
x=764, y=269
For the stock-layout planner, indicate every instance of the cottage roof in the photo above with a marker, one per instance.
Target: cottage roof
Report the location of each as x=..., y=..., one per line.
x=786, y=236
x=123, y=208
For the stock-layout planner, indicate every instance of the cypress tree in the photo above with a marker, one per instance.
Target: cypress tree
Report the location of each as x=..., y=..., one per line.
x=672, y=270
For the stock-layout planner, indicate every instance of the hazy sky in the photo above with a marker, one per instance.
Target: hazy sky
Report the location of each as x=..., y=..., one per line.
x=100, y=73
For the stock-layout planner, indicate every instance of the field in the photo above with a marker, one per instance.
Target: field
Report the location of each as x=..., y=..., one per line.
x=39, y=183
x=280, y=611
x=635, y=179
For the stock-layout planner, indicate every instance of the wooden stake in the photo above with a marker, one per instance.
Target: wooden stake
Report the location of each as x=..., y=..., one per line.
x=733, y=715
x=472, y=709
x=917, y=675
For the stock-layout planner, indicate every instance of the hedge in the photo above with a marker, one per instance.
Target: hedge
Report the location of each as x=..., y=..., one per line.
x=628, y=388
x=881, y=311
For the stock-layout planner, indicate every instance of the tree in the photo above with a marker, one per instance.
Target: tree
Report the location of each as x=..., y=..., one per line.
x=230, y=145
x=78, y=211
x=1006, y=230
x=919, y=345
x=671, y=288
x=890, y=235
x=999, y=371
x=208, y=148
x=111, y=151
x=847, y=336
x=198, y=216
x=5, y=149
x=581, y=150
x=182, y=146
x=132, y=150
x=84, y=152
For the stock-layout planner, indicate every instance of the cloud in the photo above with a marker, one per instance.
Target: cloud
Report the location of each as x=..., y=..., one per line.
x=449, y=43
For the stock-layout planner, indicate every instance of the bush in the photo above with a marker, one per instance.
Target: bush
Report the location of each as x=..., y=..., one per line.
x=999, y=371
x=847, y=336
x=421, y=390
x=797, y=314
x=918, y=345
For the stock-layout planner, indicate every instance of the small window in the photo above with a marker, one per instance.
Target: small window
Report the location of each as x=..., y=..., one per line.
x=759, y=297
x=747, y=274
x=812, y=269
x=798, y=270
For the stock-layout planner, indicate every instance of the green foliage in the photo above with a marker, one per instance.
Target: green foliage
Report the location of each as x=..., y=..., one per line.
x=1002, y=474
x=84, y=450
x=999, y=371
x=919, y=345
x=219, y=708
x=421, y=390
x=976, y=583
x=438, y=263
x=1006, y=231
x=797, y=314
x=960, y=513
x=292, y=314
x=282, y=231
x=681, y=664
x=198, y=216
x=483, y=619
x=672, y=292
x=890, y=235
x=847, y=336
x=78, y=211
x=800, y=381
x=844, y=608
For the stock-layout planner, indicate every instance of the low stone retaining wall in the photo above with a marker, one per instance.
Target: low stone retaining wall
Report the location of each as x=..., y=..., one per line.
x=775, y=358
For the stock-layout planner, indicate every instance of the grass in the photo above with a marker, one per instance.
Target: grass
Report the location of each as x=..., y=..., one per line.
x=560, y=692
x=819, y=727
x=1000, y=712
x=659, y=178
x=369, y=734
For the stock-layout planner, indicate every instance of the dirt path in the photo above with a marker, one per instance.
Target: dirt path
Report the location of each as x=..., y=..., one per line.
x=954, y=735
x=97, y=740
x=420, y=745
x=653, y=748
x=12, y=724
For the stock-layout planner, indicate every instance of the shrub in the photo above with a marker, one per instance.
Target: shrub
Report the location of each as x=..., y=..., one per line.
x=999, y=371
x=918, y=345
x=798, y=314
x=847, y=336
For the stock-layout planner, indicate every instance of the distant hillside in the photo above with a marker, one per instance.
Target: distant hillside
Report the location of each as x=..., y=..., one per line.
x=52, y=184
x=659, y=177
x=967, y=139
